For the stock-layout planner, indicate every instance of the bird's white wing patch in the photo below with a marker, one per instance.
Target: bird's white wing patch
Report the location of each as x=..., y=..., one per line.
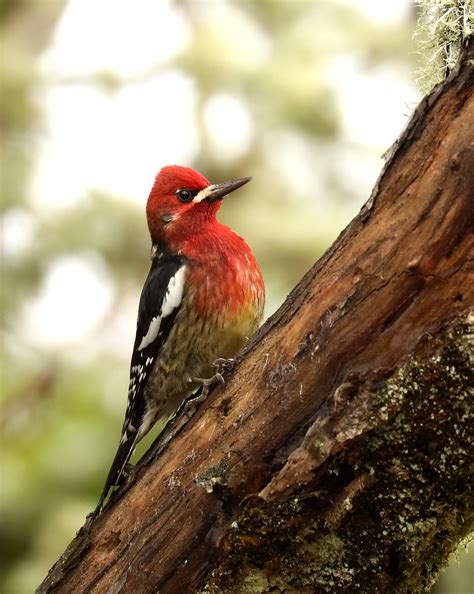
x=152, y=333
x=172, y=300
x=174, y=294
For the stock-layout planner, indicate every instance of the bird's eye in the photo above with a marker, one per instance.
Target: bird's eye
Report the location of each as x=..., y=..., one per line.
x=184, y=195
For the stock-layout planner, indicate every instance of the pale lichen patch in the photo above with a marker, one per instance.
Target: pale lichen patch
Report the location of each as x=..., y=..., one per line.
x=442, y=27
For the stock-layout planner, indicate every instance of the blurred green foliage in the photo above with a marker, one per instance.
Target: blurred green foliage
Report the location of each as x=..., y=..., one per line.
x=62, y=406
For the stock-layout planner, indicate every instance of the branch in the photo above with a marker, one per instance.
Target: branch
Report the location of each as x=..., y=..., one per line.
x=336, y=457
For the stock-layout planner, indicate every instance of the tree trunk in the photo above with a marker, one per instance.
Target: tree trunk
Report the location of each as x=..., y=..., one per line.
x=336, y=459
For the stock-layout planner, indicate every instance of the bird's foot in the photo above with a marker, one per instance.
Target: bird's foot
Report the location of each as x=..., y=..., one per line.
x=206, y=383
x=222, y=364
x=190, y=404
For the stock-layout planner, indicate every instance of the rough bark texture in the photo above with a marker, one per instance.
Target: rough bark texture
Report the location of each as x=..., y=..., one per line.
x=337, y=457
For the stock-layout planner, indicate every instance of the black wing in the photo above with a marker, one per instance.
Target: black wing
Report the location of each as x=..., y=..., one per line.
x=159, y=304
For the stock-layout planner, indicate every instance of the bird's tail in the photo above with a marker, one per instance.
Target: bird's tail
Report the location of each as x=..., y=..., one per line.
x=123, y=455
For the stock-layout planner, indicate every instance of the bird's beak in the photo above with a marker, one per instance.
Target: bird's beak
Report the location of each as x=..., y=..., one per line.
x=218, y=191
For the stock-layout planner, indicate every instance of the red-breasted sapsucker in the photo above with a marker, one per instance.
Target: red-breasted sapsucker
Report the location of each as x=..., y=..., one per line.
x=202, y=299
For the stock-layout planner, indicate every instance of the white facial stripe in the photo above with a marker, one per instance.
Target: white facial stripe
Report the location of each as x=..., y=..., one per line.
x=172, y=299
x=203, y=194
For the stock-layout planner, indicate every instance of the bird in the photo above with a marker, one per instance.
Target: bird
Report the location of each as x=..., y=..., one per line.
x=202, y=299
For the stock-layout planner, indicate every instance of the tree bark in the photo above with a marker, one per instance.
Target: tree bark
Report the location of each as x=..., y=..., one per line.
x=336, y=458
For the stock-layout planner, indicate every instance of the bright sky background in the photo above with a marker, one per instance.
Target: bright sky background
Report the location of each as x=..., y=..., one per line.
x=115, y=142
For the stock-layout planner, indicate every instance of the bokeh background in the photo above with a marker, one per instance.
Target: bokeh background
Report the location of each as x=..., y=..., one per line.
x=97, y=95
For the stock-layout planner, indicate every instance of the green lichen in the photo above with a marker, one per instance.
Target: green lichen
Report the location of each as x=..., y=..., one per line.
x=398, y=531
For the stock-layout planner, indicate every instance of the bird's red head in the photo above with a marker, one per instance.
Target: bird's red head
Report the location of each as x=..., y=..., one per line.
x=183, y=202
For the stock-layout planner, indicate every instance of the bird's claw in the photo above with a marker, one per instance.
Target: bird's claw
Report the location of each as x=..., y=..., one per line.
x=209, y=381
x=202, y=393
x=223, y=364
x=205, y=384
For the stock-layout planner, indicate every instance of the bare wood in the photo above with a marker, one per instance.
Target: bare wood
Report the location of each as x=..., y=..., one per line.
x=336, y=458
